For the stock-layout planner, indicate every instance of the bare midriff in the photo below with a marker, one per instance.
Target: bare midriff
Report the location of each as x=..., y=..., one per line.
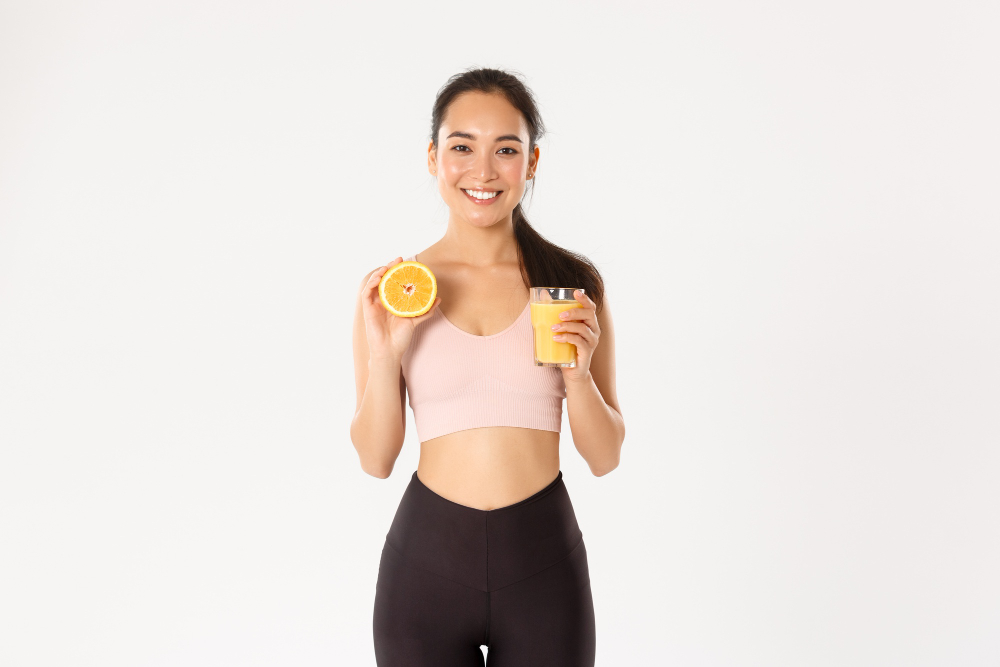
x=488, y=468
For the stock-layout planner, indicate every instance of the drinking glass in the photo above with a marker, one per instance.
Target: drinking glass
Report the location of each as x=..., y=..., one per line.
x=546, y=304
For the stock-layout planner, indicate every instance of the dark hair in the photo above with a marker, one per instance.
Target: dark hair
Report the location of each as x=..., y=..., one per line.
x=543, y=263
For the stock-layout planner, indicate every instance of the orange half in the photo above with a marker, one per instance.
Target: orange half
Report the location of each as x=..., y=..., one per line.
x=408, y=289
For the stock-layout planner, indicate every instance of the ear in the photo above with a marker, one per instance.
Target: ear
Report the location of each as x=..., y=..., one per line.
x=431, y=159
x=533, y=160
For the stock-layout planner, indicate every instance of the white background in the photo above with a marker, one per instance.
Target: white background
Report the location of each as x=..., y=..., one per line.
x=795, y=209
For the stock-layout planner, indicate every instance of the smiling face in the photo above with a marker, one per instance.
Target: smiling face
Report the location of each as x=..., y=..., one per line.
x=482, y=159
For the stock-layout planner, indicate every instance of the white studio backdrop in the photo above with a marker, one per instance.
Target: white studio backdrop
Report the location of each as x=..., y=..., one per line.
x=794, y=206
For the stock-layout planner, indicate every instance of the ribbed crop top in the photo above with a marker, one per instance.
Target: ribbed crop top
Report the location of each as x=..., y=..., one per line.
x=457, y=380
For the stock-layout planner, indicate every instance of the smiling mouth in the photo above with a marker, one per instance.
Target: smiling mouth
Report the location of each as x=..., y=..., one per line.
x=482, y=195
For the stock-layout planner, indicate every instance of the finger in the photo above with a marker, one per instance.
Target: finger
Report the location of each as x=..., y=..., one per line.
x=380, y=271
x=369, y=293
x=587, y=301
x=586, y=315
x=577, y=314
x=377, y=274
x=373, y=281
x=575, y=339
x=579, y=329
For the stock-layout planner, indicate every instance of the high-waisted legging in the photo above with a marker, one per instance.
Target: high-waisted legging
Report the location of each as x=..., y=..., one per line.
x=515, y=579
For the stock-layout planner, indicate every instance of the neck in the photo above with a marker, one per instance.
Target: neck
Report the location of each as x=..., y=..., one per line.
x=481, y=246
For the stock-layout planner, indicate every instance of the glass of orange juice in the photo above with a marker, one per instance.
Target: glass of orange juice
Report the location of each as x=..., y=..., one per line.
x=546, y=304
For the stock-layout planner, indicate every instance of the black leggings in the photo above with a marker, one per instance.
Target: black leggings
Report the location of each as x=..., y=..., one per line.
x=514, y=579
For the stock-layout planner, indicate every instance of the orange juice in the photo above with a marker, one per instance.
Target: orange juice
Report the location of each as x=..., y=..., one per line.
x=543, y=316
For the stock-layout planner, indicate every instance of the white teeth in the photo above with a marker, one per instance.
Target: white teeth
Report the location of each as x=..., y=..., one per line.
x=478, y=194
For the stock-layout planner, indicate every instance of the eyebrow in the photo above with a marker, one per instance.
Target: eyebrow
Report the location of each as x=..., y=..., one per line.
x=466, y=135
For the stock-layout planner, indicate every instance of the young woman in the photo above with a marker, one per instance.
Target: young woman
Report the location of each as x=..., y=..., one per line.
x=484, y=549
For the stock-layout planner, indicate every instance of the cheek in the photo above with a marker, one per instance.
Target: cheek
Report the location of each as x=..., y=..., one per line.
x=514, y=173
x=449, y=178
x=451, y=170
x=514, y=170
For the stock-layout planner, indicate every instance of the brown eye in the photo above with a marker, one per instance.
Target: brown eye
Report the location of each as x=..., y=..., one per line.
x=507, y=148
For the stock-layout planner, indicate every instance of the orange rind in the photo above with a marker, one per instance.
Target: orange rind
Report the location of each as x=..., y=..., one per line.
x=408, y=289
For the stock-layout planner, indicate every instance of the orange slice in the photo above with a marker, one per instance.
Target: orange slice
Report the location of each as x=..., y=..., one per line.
x=408, y=289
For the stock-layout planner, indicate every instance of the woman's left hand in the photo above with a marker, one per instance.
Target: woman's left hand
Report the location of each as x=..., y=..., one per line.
x=579, y=326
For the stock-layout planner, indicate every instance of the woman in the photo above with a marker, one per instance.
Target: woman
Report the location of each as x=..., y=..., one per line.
x=484, y=549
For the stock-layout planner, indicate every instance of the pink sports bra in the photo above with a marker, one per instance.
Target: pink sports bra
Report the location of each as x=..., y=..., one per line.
x=457, y=380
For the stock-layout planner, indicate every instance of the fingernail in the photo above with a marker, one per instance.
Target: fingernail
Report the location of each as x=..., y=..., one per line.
x=555, y=327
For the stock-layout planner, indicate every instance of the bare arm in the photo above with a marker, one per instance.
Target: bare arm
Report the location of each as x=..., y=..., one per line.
x=595, y=417
x=380, y=339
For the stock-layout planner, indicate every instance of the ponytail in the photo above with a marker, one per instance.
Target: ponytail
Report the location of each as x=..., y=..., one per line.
x=544, y=264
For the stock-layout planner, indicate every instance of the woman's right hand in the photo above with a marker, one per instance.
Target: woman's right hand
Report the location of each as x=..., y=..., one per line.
x=388, y=335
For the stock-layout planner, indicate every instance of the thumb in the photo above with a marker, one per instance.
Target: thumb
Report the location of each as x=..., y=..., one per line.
x=429, y=313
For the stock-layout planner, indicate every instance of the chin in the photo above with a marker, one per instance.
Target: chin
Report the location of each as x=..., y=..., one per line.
x=485, y=218
x=482, y=222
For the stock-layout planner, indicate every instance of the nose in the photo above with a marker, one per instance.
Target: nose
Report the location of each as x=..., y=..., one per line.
x=484, y=168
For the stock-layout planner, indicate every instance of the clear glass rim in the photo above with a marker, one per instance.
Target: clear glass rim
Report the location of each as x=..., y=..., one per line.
x=549, y=294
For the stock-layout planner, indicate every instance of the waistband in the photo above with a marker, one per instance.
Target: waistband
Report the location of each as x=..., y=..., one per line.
x=484, y=549
x=434, y=498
